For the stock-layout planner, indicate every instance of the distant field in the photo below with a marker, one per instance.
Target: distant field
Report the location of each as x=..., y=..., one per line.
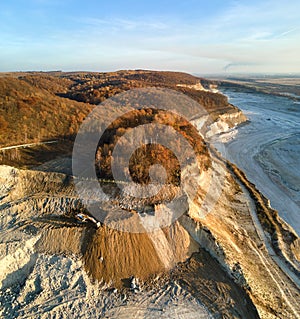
x=281, y=85
x=281, y=81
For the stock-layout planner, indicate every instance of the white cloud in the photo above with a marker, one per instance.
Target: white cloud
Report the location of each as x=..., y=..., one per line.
x=285, y=33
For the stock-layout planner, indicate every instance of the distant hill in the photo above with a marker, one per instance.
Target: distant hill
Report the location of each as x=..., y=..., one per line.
x=42, y=106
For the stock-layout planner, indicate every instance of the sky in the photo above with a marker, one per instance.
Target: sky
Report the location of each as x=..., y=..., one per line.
x=201, y=37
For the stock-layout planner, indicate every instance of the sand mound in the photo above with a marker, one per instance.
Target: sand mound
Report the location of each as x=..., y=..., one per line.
x=112, y=256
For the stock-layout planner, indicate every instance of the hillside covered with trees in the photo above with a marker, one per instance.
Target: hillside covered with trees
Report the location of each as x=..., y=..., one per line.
x=42, y=106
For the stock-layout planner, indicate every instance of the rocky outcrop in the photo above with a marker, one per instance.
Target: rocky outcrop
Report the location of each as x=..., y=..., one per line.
x=198, y=86
x=225, y=123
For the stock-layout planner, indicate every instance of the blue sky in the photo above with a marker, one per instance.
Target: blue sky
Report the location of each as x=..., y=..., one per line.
x=194, y=36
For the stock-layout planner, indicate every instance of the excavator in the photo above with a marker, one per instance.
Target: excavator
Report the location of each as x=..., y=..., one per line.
x=84, y=217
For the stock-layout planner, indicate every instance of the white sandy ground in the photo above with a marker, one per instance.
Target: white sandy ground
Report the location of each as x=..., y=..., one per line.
x=268, y=150
x=57, y=286
x=37, y=285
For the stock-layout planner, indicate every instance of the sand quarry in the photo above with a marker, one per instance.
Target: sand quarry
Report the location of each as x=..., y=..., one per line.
x=228, y=256
x=222, y=265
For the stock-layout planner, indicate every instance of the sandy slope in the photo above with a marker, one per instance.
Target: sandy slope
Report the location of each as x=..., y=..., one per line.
x=46, y=258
